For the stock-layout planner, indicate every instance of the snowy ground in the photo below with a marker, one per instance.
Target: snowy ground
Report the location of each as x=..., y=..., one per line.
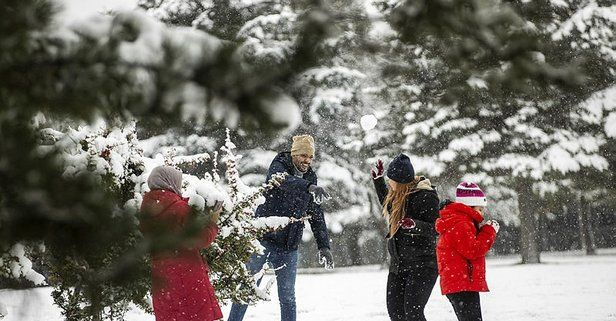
x=566, y=287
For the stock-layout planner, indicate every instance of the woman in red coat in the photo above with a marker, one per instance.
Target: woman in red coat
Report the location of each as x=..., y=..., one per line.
x=463, y=243
x=181, y=288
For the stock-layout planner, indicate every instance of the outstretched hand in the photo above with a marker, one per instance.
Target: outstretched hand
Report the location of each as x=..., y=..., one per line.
x=319, y=194
x=379, y=170
x=326, y=258
x=215, y=211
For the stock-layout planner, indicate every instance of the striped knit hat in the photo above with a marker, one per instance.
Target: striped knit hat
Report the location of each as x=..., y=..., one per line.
x=470, y=194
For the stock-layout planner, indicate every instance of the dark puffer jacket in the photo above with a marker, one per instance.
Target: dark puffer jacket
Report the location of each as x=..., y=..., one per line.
x=417, y=245
x=292, y=199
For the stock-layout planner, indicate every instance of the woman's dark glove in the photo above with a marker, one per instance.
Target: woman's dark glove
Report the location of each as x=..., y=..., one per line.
x=407, y=223
x=379, y=170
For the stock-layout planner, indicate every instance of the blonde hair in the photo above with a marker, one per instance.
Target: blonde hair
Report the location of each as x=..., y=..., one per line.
x=395, y=201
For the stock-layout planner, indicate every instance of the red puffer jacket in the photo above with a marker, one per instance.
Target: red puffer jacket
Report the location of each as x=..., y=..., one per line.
x=461, y=251
x=181, y=287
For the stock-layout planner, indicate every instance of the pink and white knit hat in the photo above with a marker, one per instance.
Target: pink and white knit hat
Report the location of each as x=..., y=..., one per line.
x=470, y=194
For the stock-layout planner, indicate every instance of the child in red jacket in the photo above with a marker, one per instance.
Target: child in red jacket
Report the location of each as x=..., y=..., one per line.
x=463, y=243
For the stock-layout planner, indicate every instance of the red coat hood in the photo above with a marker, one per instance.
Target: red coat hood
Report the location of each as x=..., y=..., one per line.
x=455, y=213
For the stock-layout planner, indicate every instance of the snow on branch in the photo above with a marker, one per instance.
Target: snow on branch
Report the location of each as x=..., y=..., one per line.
x=15, y=264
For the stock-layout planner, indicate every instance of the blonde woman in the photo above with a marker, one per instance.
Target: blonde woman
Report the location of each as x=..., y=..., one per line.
x=410, y=205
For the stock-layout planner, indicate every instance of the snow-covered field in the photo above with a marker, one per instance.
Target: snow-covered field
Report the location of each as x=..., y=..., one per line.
x=565, y=287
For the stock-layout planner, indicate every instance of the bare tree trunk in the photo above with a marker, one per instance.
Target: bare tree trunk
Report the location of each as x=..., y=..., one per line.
x=587, y=235
x=543, y=243
x=529, y=224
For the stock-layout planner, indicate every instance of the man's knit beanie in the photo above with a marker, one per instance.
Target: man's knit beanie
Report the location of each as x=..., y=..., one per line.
x=302, y=145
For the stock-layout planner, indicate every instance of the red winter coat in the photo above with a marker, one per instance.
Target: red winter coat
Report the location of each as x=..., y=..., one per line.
x=461, y=249
x=181, y=287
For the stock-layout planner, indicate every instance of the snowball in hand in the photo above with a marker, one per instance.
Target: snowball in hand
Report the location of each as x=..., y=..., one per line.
x=197, y=201
x=368, y=122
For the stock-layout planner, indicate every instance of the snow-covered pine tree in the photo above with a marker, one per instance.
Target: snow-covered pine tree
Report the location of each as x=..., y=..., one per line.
x=238, y=235
x=592, y=188
x=496, y=95
x=97, y=277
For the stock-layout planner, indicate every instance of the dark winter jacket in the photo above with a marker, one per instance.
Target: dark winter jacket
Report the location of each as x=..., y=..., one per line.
x=292, y=199
x=416, y=245
x=461, y=249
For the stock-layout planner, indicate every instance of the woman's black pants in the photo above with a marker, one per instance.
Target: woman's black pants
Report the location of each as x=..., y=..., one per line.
x=408, y=292
x=466, y=305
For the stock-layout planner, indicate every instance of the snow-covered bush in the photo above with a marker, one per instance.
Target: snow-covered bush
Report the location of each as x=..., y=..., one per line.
x=84, y=285
x=16, y=264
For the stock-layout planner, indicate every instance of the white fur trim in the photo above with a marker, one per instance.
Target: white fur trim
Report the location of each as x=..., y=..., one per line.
x=472, y=201
x=425, y=184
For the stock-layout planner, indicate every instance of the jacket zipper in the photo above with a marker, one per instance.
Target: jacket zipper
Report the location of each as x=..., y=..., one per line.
x=470, y=271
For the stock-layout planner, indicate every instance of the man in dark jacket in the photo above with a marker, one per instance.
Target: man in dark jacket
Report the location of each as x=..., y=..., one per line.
x=298, y=197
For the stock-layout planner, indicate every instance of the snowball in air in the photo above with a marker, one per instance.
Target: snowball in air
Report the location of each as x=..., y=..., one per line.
x=368, y=122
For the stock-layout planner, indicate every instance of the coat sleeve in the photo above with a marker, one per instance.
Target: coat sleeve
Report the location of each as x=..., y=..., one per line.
x=208, y=235
x=381, y=188
x=426, y=215
x=291, y=183
x=468, y=244
x=205, y=237
x=318, y=225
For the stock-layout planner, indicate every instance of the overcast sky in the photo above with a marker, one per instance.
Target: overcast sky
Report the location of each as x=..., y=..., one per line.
x=79, y=8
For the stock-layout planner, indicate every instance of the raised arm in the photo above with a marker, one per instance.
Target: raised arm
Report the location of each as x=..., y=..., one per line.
x=425, y=215
x=207, y=234
x=381, y=188
x=291, y=183
x=473, y=246
x=378, y=180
